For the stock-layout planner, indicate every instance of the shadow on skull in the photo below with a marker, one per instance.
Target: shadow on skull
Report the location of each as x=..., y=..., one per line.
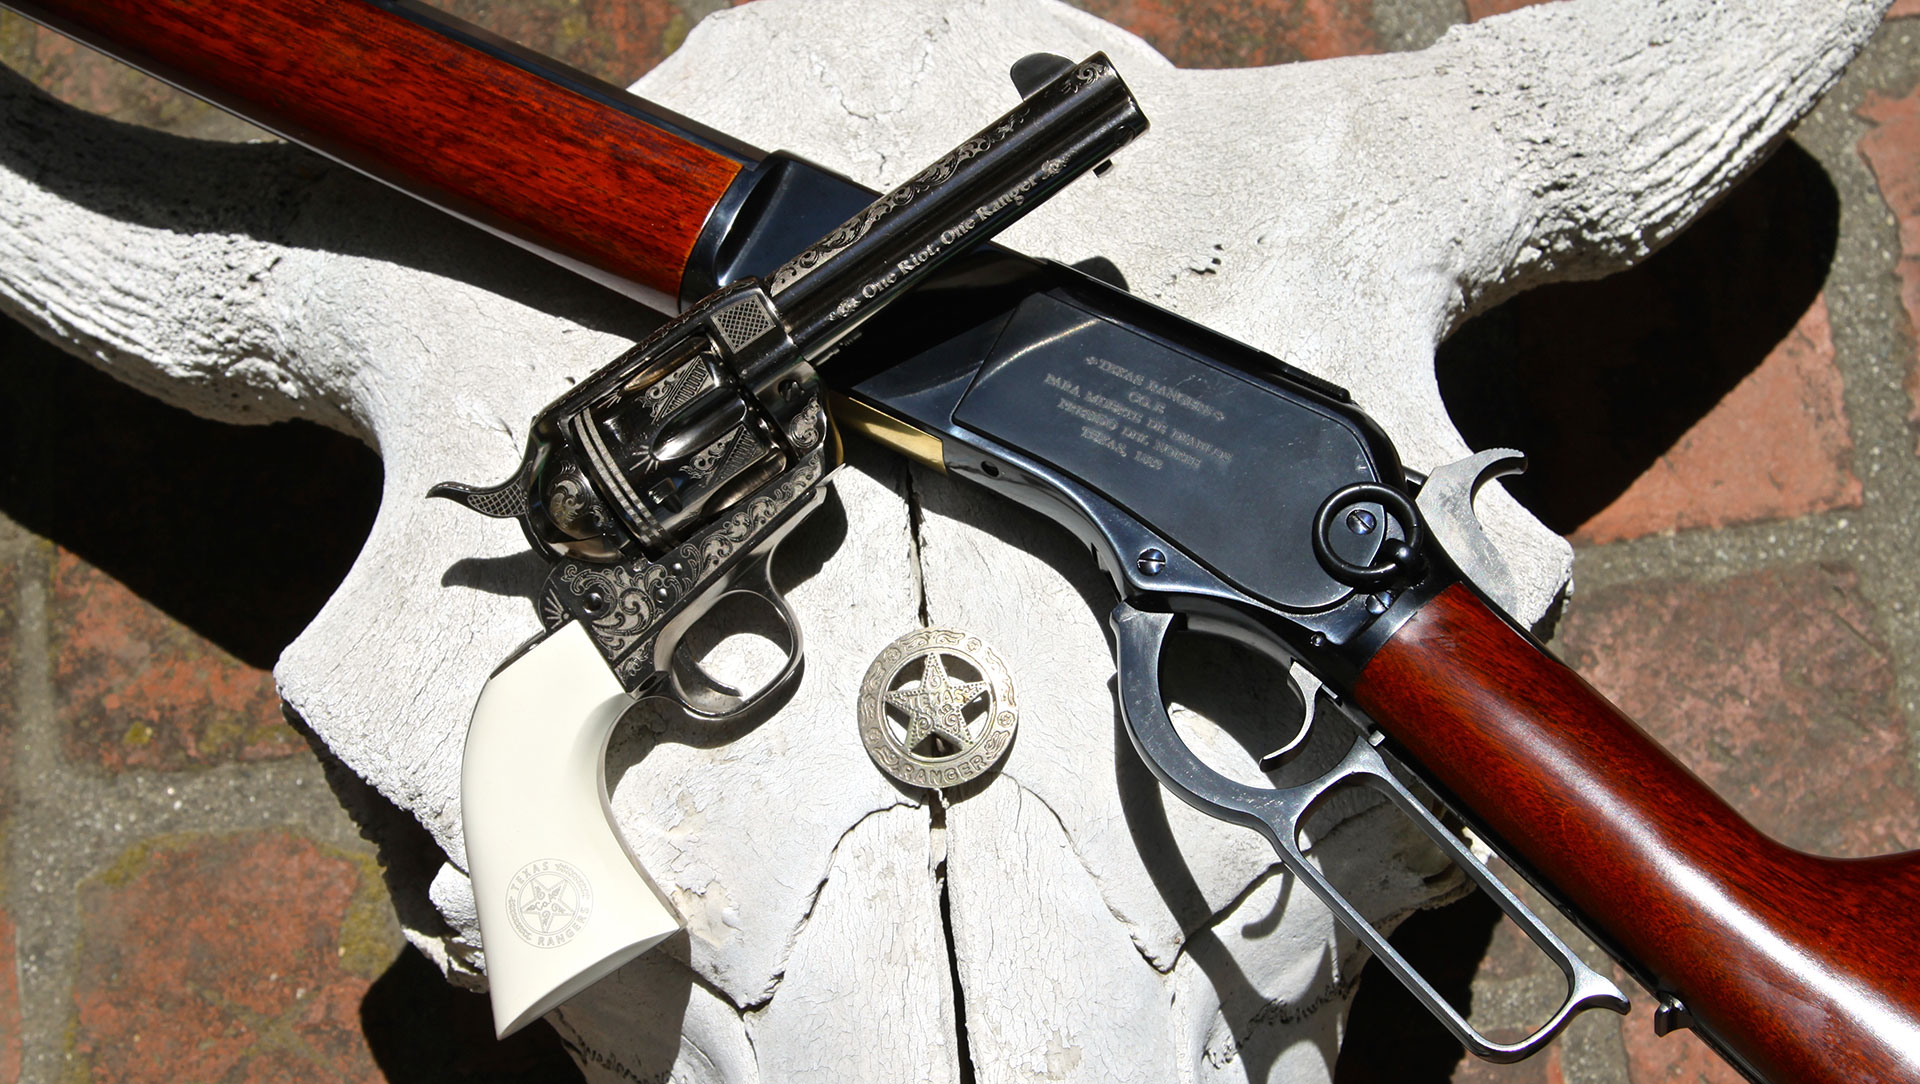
x=285, y=195
x=1595, y=381
x=239, y=533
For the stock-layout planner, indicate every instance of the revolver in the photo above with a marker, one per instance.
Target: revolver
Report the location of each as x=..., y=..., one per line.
x=660, y=486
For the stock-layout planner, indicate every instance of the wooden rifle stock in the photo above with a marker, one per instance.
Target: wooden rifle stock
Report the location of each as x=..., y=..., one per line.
x=1806, y=969
x=379, y=86
x=1803, y=968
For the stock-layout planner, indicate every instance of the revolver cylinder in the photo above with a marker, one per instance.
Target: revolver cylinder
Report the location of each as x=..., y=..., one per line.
x=663, y=479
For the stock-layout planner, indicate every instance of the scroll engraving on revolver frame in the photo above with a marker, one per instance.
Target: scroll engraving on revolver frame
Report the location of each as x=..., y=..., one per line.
x=661, y=485
x=672, y=469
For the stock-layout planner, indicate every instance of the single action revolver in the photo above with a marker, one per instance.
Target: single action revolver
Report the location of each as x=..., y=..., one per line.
x=660, y=486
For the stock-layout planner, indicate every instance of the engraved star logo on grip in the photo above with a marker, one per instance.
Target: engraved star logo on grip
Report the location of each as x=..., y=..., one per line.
x=937, y=705
x=548, y=904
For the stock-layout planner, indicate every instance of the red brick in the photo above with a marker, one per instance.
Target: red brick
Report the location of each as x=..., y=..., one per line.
x=616, y=40
x=1542, y=1068
x=1892, y=150
x=81, y=77
x=8, y=589
x=1480, y=9
x=1676, y=1058
x=1903, y=8
x=1777, y=447
x=1775, y=687
x=9, y=1004
x=1245, y=33
x=134, y=688
x=224, y=958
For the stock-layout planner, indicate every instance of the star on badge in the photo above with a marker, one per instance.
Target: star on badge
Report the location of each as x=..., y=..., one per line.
x=937, y=705
x=898, y=716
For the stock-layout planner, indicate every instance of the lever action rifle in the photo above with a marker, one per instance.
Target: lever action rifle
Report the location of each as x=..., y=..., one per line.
x=1356, y=573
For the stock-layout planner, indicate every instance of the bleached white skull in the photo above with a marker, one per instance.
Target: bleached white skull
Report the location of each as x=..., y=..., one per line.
x=1344, y=215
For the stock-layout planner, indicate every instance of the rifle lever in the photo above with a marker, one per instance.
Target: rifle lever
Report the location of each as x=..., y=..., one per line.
x=1278, y=813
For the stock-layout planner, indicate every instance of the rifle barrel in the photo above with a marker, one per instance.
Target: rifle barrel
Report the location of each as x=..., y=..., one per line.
x=583, y=172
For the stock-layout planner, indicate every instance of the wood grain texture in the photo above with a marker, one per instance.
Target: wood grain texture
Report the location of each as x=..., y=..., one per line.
x=463, y=129
x=1801, y=965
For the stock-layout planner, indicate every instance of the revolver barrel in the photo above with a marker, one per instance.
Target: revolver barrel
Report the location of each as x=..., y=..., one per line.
x=984, y=185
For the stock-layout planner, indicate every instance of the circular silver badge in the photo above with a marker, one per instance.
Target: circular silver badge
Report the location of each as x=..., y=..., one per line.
x=548, y=902
x=937, y=708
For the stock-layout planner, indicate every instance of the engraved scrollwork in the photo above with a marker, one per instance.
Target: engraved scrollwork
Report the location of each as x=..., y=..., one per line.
x=862, y=224
x=572, y=505
x=1086, y=76
x=807, y=426
x=678, y=388
x=624, y=605
x=611, y=599
x=704, y=461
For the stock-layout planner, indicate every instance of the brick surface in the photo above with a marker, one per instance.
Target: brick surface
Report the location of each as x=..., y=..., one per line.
x=1480, y=9
x=1775, y=687
x=79, y=76
x=1718, y=343
x=1243, y=33
x=1903, y=8
x=1777, y=447
x=1892, y=150
x=9, y=1003
x=618, y=40
x=236, y=958
x=9, y=587
x=1677, y=1058
x=133, y=688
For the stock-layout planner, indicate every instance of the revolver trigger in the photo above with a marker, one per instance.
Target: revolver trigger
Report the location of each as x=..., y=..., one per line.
x=707, y=697
x=1446, y=503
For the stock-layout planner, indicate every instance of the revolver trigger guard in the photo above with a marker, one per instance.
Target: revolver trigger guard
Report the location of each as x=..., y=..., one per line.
x=709, y=699
x=1278, y=812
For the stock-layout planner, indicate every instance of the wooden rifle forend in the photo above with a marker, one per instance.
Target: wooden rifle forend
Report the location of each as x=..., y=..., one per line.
x=1799, y=968
x=583, y=172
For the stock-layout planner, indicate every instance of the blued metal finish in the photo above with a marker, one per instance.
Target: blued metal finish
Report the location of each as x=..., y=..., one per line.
x=1070, y=398
x=982, y=186
x=1279, y=812
x=1354, y=511
x=773, y=210
x=661, y=483
x=1084, y=384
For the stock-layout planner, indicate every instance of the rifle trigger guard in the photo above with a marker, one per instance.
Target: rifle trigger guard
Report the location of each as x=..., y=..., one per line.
x=1278, y=813
x=706, y=697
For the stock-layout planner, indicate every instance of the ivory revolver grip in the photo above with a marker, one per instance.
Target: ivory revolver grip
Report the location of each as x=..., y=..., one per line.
x=562, y=899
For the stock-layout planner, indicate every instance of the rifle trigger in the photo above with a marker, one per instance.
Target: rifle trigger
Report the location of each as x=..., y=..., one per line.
x=1307, y=684
x=1671, y=1015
